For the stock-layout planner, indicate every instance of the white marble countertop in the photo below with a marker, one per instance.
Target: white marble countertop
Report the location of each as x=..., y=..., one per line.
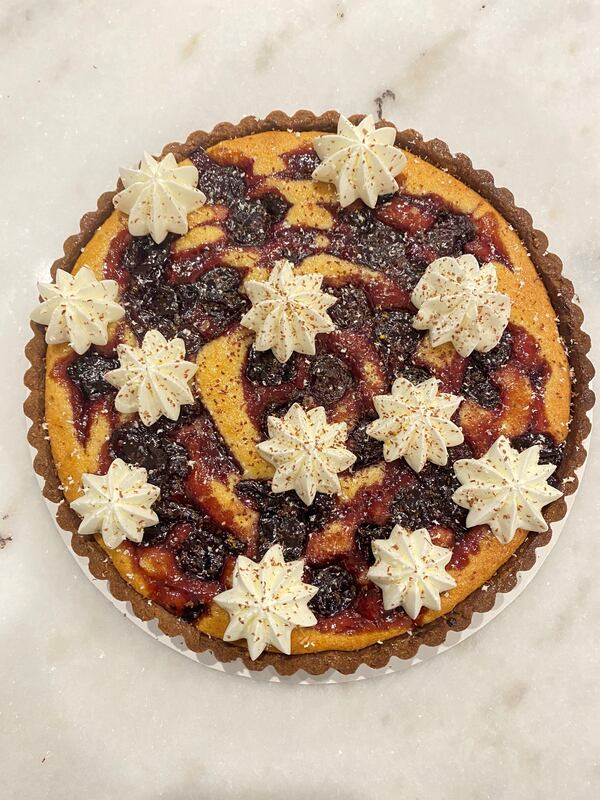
x=90, y=707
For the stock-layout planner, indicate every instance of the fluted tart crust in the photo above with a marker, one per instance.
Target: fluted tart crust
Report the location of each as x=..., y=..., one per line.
x=444, y=207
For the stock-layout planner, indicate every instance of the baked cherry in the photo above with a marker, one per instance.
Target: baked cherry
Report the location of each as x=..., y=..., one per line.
x=366, y=449
x=450, y=233
x=247, y=222
x=396, y=340
x=496, y=357
x=264, y=369
x=220, y=183
x=366, y=534
x=551, y=451
x=352, y=309
x=376, y=244
x=193, y=612
x=275, y=205
x=156, y=535
x=478, y=387
x=284, y=518
x=87, y=373
x=145, y=260
x=330, y=379
x=337, y=590
x=202, y=554
x=301, y=164
x=164, y=459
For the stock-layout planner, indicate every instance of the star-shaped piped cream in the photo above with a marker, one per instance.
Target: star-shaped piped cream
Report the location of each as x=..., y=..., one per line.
x=159, y=196
x=410, y=570
x=360, y=160
x=414, y=423
x=505, y=489
x=78, y=309
x=307, y=452
x=267, y=601
x=118, y=504
x=458, y=303
x=153, y=379
x=288, y=311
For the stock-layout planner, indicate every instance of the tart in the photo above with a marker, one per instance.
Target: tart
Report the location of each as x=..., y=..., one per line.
x=309, y=391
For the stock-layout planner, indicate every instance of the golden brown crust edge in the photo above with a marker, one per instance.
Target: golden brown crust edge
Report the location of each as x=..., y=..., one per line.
x=570, y=318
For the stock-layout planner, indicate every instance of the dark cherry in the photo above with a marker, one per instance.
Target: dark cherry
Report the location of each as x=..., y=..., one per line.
x=256, y=493
x=153, y=306
x=450, y=233
x=377, y=244
x=366, y=449
x=495, y=358
x=156, y=535
x=301, y=164
x=189, y=412
x=193, y=340
x=329, y=379
x=284, y=518
x=219, y=285
x=202, y=554
x=282, y=526
x=382, y=249
x=130, y=444
x=145, y=260
x=358, y=216
x=337, y=590
x=428, y=499
x=161, y=300
x=87, y=373
x=215, y=295
x=170, y=511
x=551, y=452
x=292, y=244
x=188, y=297
x=396, y=340
x=414, y=374
x=193, y=612
x=247, y=222
x=478, y=387
x=264, y=369
x=275, y=205
x=420, y=506
x=408, y=272
x=365, y=535
x=477, y=383
x=220, y=184
x=165, y=460
x=352, y=309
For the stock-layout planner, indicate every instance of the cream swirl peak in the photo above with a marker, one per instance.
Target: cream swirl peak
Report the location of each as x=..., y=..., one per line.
x=288, y=311
x=414, y=423
x=505, y=489
x=78, y=309
x=307, y=452
x=410, y=570
x=118, y=505
x=458, y=302
x=153, y=379
x=267, y=601
x=360, y=160
x=158, y=196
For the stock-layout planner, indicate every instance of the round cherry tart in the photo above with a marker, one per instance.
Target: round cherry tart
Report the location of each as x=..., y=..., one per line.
x=310, y=391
